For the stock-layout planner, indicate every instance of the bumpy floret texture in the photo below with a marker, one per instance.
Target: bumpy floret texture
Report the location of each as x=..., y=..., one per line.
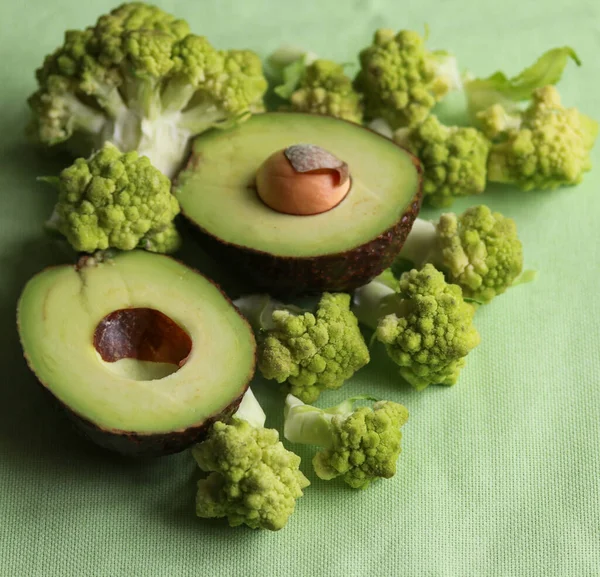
x=115, y=200
x=548, y=148
x=366, y=445
x=325, y=89
x=399, y=78
x=139, y=79
x=454, y=159
x=253, y=479
x=432, y=332
x=312, y=352
x=480, y=251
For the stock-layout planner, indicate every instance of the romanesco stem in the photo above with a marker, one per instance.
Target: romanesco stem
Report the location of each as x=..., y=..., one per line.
x=250, y=410
x=258, y=310
x=177, y=95
x=420, y=243
x=372, y=302
x=143, y=96
x=307, y=424
x=201, y=117
x=111, y=101
x=84, y=118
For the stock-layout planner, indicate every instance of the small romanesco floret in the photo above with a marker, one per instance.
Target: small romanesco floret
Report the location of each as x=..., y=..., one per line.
x=479, y=250
x=115, y=200
x=544, y=147
x=401, y=80
x=322, y=87
x=308, y=352
x=426, y=325
x=253, y=479
x=140, y=80
x=359, y=445
x=454, y=159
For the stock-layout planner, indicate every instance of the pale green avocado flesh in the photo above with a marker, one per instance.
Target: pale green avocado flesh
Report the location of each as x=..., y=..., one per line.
x=68, y=328
x=216, y=189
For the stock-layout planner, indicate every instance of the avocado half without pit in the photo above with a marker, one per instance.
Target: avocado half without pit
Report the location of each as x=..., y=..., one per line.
x=301, y=203
x=142, y=352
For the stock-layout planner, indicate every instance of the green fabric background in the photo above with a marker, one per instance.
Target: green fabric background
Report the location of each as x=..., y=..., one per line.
x=499, y=476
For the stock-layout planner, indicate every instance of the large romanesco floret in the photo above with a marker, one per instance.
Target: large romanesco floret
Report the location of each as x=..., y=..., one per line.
x=479, y=250
x=115, y=200
x=401, y=80
x=545, y=147
x=139, y=79
x=253, y=479
x=454, y=159
x=359, y=445
x=307, y=352
x=426, y=325
x=322, y=87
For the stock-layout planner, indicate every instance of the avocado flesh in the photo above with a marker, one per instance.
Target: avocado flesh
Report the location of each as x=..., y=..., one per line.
x=215, y=190
x=59, y=312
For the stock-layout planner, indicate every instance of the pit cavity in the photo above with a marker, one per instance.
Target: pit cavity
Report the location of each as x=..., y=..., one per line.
x=141, y=344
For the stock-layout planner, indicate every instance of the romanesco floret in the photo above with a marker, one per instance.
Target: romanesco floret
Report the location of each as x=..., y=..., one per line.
x=307, y=352
x=479, y=250
x=115, y=200
x=544, y=147
x=401, y=80
x=426, y=325
x=359, y=445
x=454, y=159
x=140, y=80
x=323, y=88
x=253, y=479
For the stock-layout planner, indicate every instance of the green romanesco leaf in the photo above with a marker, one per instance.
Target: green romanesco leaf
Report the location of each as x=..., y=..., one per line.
x=325, y=89
x=114, y=200
x=480, y=251
x=482, y=93
x=312, y=352
x=432, y=331
x=365, y=445
x=454, y=159
x=253, y=479
x=400, y=79
x=550, y=148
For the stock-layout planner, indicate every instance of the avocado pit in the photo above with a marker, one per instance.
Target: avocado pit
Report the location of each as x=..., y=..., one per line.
x=141, y=343
x=302, y=180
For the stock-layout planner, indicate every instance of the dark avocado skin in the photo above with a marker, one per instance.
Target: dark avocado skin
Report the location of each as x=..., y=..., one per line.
x=131, y=443
x=340, y=272
x=153, y=445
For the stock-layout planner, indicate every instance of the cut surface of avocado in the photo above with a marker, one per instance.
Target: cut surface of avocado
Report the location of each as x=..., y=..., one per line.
x=216, y=190
x=139, y=343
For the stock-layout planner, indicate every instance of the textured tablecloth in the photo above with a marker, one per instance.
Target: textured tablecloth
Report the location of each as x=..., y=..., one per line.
x=500, y=474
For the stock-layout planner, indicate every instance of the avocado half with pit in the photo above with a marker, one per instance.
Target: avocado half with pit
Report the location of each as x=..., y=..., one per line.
x=142, y=352
x=336, y=250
